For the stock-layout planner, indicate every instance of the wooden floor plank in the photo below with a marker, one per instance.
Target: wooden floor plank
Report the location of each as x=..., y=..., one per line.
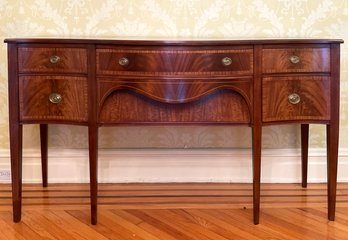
x=197, y=225
x=73, y=226
x=187, y=229
x=134, y=229
x=241, y=219
x=230, y=228
x=221, y=227
x=281, y=220
x=23, y=229
x=45, y=228
x=305, y=225
x=155, y=229
x=199, y=211
x=9, y=233
x=160, y=226
x=108, y=227
x=321, y=224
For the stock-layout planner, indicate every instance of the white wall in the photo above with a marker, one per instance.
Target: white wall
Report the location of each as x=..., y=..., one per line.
x=278, y=165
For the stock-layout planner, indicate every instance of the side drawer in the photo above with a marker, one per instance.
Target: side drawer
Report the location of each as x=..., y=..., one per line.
x=174, y=61
x=53, y=98
x=35, y=59
x=295, y=98
x=287, y=60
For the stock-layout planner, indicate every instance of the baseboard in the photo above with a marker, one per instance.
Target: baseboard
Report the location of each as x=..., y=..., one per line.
x=175, y=165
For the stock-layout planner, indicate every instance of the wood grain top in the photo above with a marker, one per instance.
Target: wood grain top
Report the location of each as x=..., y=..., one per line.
x=170, y=41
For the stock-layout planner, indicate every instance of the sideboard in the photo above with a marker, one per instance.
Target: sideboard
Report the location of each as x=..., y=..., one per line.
x=105, y=82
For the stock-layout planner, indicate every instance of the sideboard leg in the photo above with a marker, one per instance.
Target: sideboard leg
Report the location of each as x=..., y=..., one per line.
x=256, y=148
x=93, y=168
x=304, y=153
x=16, y=131
x=332, y=158
x=44, y=152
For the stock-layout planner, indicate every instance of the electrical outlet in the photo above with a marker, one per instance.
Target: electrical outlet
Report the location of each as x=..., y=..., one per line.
x=5, y=174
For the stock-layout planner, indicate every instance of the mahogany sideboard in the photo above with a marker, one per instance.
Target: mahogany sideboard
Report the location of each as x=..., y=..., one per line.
x=101, y=82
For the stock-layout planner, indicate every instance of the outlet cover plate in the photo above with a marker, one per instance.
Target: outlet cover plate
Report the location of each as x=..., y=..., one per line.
x=5, y=175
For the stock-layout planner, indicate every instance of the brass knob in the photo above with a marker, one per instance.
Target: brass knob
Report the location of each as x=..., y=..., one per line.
x=123, y=61
x=226, y=61
x=54, y=59
x=294, y=59
x=294, y=98
x=55, y=98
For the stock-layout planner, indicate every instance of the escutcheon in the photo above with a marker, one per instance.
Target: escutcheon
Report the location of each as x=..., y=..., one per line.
x=55, y=98
x=123, y=61
x=54, y=59
x=226, y=61
x=294, y=98
x=294, y=59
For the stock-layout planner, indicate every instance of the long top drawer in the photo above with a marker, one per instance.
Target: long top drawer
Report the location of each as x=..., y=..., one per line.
x=174, y=61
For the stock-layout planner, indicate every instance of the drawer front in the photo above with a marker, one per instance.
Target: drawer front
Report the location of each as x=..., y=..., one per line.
x=70, y=60
x=174, y=61
x=53, y=98
x=296, y=60
x=295, y=98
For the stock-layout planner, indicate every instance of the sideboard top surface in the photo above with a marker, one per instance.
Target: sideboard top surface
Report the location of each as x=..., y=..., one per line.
x=170, y=41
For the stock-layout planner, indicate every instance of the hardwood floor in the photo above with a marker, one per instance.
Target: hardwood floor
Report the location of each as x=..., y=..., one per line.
x=175, y=211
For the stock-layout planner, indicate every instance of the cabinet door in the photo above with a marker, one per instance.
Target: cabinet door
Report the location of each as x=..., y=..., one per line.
x=53, y=98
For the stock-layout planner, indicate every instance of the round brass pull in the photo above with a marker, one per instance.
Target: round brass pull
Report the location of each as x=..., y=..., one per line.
x=55, y=98
x=123, y=61
x=226, y=61
x=54, y=59
x=294, y=98
x=294, y=59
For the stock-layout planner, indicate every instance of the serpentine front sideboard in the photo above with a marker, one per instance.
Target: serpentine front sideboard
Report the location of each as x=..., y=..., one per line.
x=96, y=82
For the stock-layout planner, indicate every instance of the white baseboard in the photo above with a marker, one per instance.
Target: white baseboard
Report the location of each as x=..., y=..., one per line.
x=175, y=165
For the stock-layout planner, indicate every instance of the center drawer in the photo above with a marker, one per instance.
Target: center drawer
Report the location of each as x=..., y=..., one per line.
x=174, y=61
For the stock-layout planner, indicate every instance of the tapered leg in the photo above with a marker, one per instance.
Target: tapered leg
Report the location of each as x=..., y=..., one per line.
x=332, y=158
x=304, y=153
x=16, y=131
x=44, y=152
x=93, y=160
x=256, y=138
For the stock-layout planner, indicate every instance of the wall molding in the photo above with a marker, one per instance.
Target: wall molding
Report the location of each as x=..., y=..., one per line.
x=175, y=165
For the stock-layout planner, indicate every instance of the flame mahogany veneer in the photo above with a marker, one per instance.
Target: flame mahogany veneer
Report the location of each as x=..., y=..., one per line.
x=95, y=82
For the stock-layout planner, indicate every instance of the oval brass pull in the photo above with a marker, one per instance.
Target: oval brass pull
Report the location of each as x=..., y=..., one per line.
x=123, y=61
x=55, y=98
x=294, y=59
x=294, y=98
x=226, y=61
x=54, y=59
